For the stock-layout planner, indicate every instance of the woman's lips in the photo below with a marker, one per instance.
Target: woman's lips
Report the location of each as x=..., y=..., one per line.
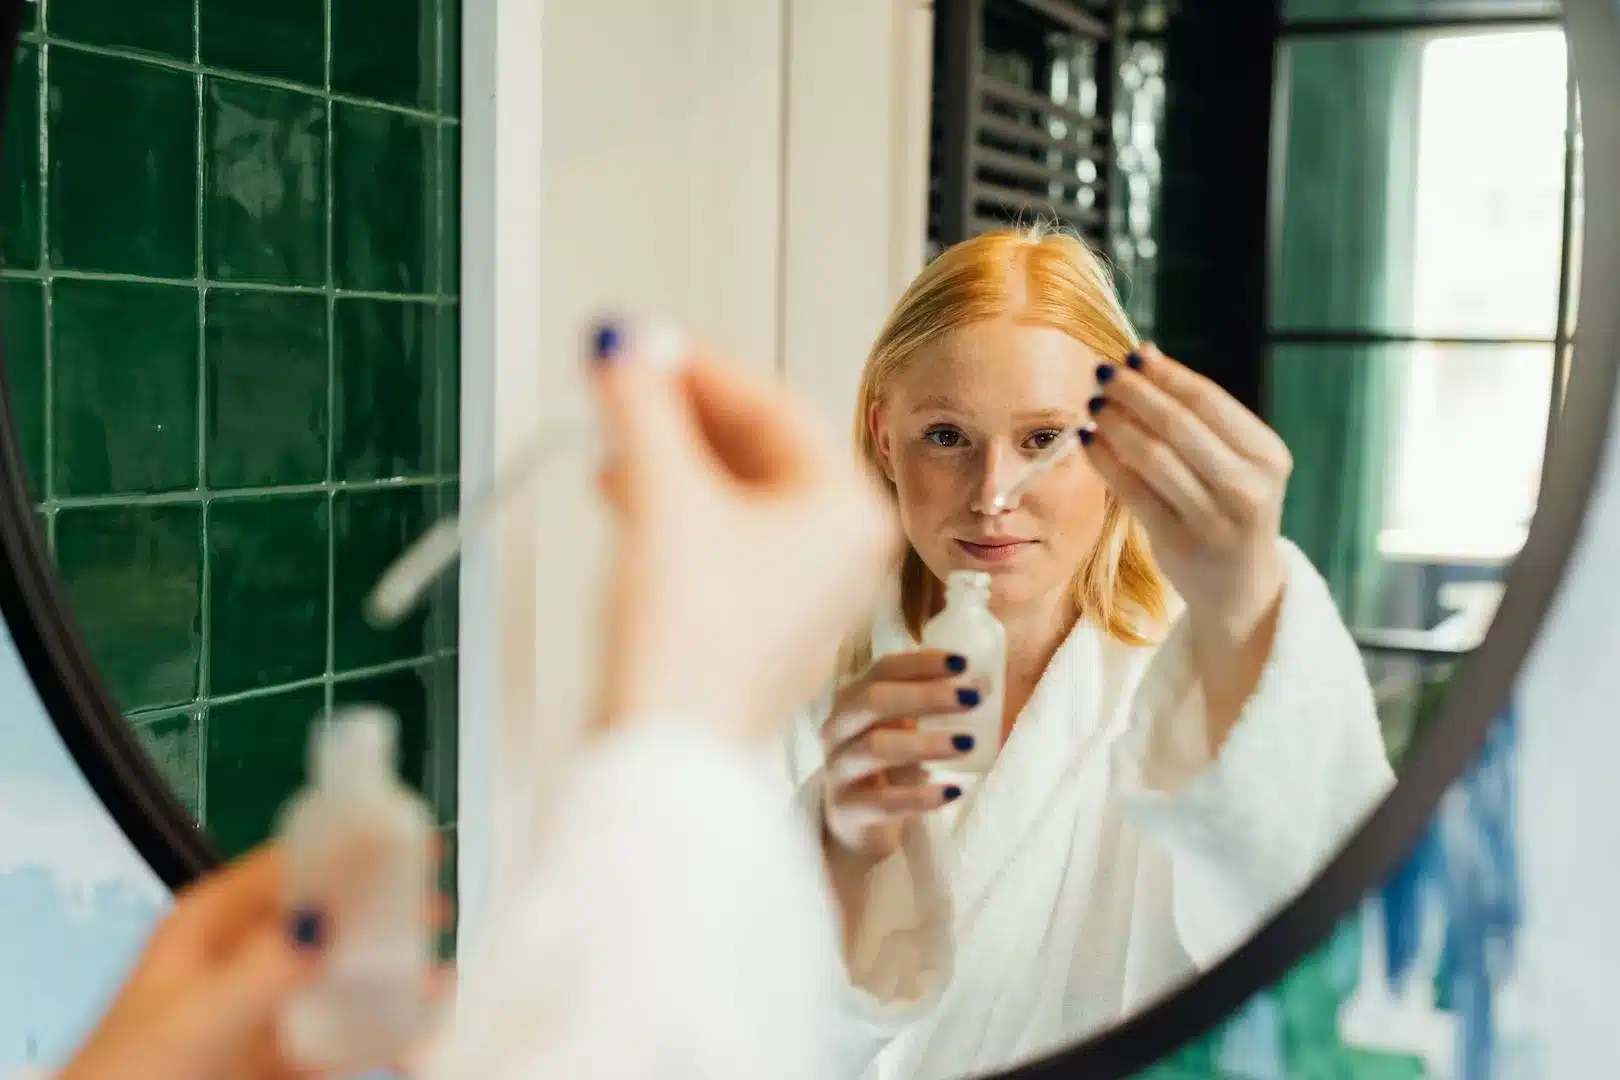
x=994, y=552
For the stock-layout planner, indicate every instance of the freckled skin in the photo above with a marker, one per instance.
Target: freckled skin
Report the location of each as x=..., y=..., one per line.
x=959, y=422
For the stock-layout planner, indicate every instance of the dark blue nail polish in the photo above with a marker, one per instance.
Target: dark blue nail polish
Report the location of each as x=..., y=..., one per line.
x=307, y=929
x=1096, y=404
x=955, y=664
x=963, y=743
x=967, y=697
x=952, y=793
x=1105, y=372
x=606, y=342
x=1087, y=436
x=1134, y=361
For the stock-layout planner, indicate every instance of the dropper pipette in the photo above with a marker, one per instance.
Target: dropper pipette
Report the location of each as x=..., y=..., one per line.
x=1058, y=449
x=407, y=578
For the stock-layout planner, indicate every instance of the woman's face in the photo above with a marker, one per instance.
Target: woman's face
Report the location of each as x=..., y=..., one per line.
x=959, y=422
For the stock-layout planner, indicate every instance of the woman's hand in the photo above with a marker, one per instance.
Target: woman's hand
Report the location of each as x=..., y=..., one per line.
x=749, y=542
x=874, y=781
x=203, y=1000
x=1206, y=477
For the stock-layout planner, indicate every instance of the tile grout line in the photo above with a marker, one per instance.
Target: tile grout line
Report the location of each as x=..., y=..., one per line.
x=437, y=704
x=205, y=652
x=439, y=616
x=47, y=298
x=329, y=198
x=199, y=495
x=391, y=667
x=158, y=60
x=52, y=273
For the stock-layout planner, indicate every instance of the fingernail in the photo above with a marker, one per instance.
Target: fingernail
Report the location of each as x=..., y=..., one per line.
x=963, y=743
x=952, y=793
x=1134, y=361
x=1096, y=404
x=967, y=696
x=956, y=664
x=1087, y=436
x=1105, y=372
x=606, y=342
x=307, y=928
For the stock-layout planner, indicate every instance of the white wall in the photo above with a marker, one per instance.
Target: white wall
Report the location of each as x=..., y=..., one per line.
x=855, y=218
x=755, y=170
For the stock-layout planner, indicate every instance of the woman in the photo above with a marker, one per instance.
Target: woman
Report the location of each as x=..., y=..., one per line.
x=671, y=923
x=1188, y=730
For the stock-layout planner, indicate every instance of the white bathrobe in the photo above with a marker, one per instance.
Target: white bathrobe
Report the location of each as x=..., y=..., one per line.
x=1106, y=857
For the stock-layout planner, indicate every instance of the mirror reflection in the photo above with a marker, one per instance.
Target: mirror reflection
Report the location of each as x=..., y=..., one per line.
x=1111, y=715
x=1418, y=336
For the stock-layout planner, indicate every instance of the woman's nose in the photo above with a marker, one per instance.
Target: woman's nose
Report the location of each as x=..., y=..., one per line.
x=999, y=471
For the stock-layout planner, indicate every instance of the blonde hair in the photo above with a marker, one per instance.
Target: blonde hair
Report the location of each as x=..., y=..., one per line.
x=1047, y=278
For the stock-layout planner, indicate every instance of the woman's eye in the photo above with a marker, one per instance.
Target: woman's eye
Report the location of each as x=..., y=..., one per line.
x=1042, y=439
x=943, y=436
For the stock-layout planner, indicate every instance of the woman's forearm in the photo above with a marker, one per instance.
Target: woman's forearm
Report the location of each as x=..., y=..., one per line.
x=1228, y=661
x=850, y=874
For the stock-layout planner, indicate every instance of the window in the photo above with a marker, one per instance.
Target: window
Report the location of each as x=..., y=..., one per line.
x=1486, y=250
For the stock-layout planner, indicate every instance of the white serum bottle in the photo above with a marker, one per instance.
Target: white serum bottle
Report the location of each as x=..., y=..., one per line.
x=967, y=628
x=357, y=851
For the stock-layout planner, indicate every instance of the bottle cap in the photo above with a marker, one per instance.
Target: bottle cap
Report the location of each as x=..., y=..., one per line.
x=355, y=745
x=968, y=581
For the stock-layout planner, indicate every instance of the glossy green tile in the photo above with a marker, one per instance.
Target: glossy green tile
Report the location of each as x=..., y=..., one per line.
x=447, y=256
x=264, y=182
x=266, y=590
x=408, y=693
x=281, y=39
x=123, y=149
x=383, y=212
x=370, y=528
x=19, y=170
x=385, y=50
x=175, y=746
x=134, y=576
x=124, y=375
x=450, y=57
x=163, y=27
x=30, y=15
x=447, y=365
x=265, y=364
x=24, y=324
x=257, y=754
x=443, y=741
x=384, y=420
x=444, y=601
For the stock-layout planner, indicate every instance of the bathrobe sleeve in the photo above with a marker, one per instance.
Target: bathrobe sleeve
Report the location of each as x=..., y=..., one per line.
x=671, y=924
x=901, y=959
x=1246, y=829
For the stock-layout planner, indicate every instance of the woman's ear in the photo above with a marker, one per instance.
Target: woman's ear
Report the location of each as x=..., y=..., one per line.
x=879, y=433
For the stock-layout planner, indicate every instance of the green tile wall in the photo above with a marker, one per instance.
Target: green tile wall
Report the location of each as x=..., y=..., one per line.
x=228, y=249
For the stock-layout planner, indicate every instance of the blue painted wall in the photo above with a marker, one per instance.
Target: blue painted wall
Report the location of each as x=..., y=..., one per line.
x=76, y=901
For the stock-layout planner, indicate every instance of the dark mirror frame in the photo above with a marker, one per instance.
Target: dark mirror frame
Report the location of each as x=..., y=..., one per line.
x=41, y=622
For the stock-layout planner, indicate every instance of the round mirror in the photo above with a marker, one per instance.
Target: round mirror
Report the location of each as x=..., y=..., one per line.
x=229, y=259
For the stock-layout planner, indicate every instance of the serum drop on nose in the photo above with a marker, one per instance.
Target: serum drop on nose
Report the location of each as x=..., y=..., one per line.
x=356, y=845
x=967, y=628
